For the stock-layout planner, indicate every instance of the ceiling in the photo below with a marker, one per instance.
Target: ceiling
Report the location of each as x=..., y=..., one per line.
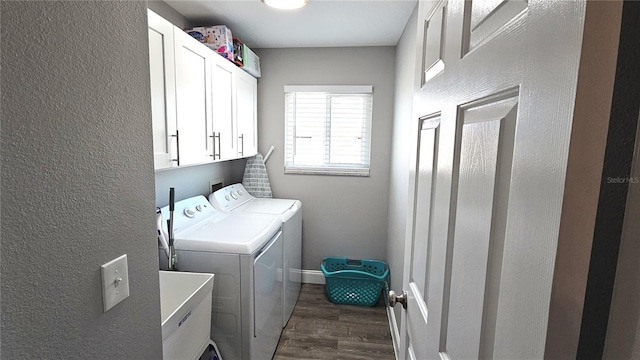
x=322, y=23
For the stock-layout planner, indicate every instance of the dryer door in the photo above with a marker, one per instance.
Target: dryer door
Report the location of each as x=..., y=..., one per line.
x=267, y=303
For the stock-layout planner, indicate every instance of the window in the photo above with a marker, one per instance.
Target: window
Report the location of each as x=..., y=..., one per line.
x=328, y=129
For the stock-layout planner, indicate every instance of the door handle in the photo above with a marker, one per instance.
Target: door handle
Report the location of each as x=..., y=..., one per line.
x=395, y=298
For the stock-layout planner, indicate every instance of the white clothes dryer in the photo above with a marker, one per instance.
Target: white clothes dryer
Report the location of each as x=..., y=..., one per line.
x=245, y=254
x=237, y=200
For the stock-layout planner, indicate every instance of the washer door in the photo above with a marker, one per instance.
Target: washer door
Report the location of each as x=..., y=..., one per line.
x=267, y=302
x=283, y=208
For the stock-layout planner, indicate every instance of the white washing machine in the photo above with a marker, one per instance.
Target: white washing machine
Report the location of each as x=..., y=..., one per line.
x=236, y=199
x=245, y=254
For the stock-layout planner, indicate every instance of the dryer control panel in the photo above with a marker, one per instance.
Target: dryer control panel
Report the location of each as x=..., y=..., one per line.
x=230, y=197
x=189, y=212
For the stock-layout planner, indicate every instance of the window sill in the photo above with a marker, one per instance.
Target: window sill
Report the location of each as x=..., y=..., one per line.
x=327, y=171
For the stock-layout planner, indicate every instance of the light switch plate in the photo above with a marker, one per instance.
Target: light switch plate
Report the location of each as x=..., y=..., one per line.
x=115, y=282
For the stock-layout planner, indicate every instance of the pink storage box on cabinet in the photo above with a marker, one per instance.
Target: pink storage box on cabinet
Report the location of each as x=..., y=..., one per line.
x=218, y=38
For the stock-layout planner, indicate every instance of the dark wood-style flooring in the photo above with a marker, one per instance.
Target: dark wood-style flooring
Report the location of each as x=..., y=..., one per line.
x=320, y=329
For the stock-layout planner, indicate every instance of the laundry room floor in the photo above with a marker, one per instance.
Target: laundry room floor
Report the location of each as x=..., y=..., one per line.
x=320, y=329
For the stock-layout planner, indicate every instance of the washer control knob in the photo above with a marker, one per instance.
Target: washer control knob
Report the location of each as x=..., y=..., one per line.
x=199, y=208
x=189, y=213
x=226, y=197
x=234, y=195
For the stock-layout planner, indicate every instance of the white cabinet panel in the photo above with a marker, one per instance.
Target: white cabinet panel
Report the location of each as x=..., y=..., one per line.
x=163, y=91
x=246, y=113
x=223, y=97
x=193, y=81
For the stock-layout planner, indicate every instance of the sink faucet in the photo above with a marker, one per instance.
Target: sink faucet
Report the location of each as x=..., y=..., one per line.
x=171, y=256
x=173, y=260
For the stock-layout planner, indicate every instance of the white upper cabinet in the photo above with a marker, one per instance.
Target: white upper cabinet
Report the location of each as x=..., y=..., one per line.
x=193, y=90
x=203, y=106
x=246, y=113
x=223, y=100
x=163, y=91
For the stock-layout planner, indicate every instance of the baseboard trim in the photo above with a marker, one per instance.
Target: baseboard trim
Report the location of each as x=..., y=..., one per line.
x=395, y=333
x=312, y=277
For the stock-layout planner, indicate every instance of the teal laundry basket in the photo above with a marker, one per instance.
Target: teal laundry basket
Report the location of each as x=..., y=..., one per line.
x=354, y=282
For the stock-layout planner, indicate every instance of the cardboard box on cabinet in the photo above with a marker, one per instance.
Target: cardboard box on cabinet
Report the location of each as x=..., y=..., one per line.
x=251, y=61
x=218, y=38
x=238, y=52
x=198, y=33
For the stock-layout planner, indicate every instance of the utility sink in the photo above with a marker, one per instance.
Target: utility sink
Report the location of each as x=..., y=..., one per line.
x=185, y=305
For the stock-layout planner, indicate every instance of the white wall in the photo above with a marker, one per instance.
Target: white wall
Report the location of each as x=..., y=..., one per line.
x=77, y=180
x=194, y=180
x=168, y=13
x=402, y=122
x=190, y=181
x=342, y=216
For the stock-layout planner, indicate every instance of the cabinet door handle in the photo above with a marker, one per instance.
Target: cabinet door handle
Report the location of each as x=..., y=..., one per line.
x=177, y=160
x=213, y=147
x=241, y=145
x=219, y=148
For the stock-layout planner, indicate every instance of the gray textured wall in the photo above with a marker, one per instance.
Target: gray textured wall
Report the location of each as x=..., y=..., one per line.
x=402, y=121
x=344, y=216
x=77, y=180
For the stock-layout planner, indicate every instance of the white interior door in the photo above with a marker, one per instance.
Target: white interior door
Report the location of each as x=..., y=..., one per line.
x=491, y=135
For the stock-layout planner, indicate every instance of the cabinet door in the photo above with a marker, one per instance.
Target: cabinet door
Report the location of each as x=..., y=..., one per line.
x=193, y=92
x=163, y=91
x=246, y=113
x=223, y=97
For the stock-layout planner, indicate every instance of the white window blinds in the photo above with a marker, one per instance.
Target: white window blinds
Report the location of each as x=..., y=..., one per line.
x=328, y=129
